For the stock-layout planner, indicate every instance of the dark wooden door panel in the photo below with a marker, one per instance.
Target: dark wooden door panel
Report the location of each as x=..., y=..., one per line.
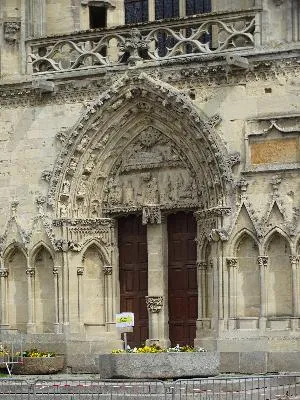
x=133, y=275
x=182, y=278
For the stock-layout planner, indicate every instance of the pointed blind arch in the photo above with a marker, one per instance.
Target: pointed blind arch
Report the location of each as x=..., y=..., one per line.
x=136, y=11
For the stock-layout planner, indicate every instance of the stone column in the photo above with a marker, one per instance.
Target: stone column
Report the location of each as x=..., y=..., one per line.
x=157, y=272
x=263, y=264
x=30, y=272
x=295, y=290
x=4, y=300
x=232, y=264
x=108, y=290
x=80, y=291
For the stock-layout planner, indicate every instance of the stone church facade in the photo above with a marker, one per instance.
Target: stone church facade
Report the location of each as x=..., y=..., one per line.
x=150, y=162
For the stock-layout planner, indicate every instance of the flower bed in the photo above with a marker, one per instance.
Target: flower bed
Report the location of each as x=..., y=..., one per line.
x=35, y=362
x=152, y=362
x=39, y=366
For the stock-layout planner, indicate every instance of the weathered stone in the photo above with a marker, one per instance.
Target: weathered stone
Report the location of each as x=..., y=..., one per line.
x=98, y=125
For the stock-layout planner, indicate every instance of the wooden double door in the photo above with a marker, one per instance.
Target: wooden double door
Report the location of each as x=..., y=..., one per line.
x=182, y=276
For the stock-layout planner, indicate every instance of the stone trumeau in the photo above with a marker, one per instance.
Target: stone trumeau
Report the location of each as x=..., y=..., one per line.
x=150, y=157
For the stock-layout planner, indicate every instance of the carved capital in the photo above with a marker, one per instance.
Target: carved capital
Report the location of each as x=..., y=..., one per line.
x=232, y=262
x=107, y=270
x=154, y=303
x=55, y=271
x=294, y=260
x=4, y=272
x=151, y=215
x=217, y=235
x=202, y=265
x=61, y=245
x=30, y=272
x=80, y=271
x=263, y=261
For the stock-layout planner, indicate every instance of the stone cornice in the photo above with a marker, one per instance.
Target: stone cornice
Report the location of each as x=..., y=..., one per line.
x=266, y=65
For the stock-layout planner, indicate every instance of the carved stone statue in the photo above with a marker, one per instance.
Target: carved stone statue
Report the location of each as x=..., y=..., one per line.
x=151, y=192
x=66, y=187
x=128, y=193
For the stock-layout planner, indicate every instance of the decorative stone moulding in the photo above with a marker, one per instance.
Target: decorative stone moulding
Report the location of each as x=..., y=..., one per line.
x=139, y=179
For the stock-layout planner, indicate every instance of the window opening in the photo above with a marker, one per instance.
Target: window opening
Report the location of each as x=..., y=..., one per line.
x=136, y=11
x=197, y=6
x=98, y=17
x=166, y=9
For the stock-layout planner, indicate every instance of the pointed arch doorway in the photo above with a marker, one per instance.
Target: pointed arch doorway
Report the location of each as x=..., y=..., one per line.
x=182, y=278
x=133, y=275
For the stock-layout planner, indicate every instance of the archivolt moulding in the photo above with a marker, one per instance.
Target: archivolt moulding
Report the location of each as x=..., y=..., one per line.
x=137, y=119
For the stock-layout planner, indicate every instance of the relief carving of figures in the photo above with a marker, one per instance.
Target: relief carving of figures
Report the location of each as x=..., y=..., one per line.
x=151, y=191
x=95, y=211
x=66, y=187
x=114, y=192
x=90, y=164
x=128, y=193
x=150, y=171
x=82, y=145
x=72, y=165
x=82, y=189
x=171, y=191
x=63, y=210
x=81, y=208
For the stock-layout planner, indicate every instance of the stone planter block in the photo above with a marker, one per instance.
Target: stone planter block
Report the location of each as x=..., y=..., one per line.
x=39, y=366
x=159, y=365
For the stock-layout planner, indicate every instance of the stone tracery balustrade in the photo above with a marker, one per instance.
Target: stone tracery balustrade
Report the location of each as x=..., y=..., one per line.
x=166, y=40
